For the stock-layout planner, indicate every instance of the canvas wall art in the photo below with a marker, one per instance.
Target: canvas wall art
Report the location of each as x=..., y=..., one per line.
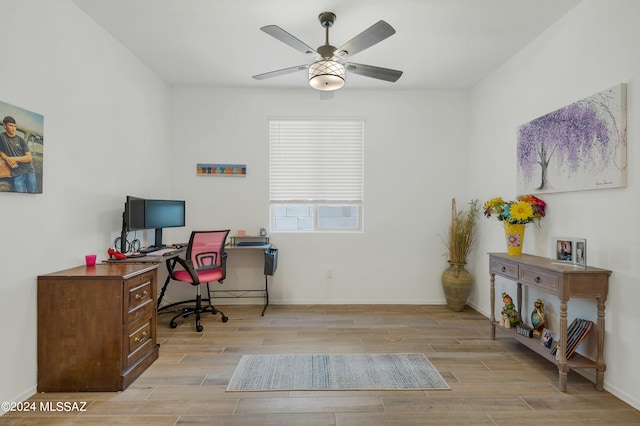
x=581, y=146
x=21, y=150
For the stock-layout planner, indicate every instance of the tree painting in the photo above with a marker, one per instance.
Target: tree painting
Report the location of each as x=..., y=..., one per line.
x=578, y=147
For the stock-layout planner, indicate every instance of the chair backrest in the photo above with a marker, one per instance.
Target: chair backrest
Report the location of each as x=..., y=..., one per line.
x=206, y=248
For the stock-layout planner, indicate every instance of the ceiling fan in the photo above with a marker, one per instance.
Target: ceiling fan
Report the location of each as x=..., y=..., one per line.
x=328, y=71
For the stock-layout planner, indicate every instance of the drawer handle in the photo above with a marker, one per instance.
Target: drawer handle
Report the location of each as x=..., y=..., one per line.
x=537, y=280
x=142, y=296
x=141, y=338
x=504, y=268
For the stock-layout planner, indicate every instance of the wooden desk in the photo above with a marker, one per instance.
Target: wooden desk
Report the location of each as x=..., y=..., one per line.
x=565, y=282
x=96, y=327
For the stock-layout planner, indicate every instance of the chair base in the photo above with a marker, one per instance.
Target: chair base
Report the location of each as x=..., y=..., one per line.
x=197, y=310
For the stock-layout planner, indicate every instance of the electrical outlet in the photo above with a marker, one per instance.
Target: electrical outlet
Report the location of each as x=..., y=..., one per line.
x=329, y=272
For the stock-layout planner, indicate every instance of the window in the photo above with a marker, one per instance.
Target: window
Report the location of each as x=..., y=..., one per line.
x=316, y=175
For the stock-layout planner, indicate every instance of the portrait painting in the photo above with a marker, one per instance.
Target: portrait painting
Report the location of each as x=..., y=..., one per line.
x=21, y=150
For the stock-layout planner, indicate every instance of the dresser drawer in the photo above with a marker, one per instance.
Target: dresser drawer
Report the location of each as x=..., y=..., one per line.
x=138, y=297
x=139, y=337
x=506, y=269
x=540, y=279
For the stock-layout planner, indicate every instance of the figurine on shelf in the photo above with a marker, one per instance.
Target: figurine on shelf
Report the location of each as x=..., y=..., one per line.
x=504, y=321
x=509, y=310
x=537, y=317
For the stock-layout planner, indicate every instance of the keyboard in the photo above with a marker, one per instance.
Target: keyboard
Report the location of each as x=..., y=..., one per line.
x=164, y=252
x=252, y=244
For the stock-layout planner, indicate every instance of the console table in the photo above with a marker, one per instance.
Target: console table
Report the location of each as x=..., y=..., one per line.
x=96, y=327
x=563, y=281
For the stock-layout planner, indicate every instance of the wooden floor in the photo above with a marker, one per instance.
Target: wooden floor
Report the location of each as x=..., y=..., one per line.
x=492, y=382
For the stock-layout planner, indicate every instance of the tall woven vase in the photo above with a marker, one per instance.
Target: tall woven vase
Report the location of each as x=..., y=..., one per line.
x=456, y=284
x=514, y=235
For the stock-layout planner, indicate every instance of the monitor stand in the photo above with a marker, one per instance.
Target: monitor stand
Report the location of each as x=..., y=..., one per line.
x=157, y=245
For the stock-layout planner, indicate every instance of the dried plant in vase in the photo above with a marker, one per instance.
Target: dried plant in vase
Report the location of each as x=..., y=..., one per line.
x=456, y=280
x=462, y=232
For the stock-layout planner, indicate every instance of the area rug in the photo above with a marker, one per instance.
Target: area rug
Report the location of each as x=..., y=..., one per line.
x=404, y=371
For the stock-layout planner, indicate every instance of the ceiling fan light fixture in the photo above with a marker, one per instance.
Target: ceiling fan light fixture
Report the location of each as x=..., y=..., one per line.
x=326, y=75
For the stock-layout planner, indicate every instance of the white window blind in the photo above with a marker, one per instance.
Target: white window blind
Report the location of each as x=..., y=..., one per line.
x=316, y=160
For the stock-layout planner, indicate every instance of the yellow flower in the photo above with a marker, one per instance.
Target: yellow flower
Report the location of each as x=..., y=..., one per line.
x=521, y=211
x=493, y=203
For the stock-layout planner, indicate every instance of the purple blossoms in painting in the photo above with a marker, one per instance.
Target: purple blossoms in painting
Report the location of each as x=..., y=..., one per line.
x=580, y=146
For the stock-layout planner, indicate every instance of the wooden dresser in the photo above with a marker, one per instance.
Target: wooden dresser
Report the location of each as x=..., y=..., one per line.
x=563, y=281
x=96, y=327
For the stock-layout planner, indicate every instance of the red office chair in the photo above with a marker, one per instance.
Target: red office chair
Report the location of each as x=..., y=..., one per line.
x=205, y=262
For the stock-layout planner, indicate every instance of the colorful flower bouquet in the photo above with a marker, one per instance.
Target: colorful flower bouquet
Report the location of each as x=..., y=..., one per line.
x=527, y=208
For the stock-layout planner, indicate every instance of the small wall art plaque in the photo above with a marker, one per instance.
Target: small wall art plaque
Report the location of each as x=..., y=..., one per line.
x=204, y=169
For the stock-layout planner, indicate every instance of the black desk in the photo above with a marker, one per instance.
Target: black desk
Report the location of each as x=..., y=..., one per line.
x=220, y=294
x=250, y=293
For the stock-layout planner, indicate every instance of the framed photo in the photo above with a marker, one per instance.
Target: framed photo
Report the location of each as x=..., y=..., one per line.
x=569, y=250
x=547, y=338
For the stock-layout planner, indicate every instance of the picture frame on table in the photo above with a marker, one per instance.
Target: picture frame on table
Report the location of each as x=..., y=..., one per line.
x=547, y=338
x=569, y=250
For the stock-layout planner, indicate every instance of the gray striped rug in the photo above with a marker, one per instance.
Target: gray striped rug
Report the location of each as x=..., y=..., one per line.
x=335, y=372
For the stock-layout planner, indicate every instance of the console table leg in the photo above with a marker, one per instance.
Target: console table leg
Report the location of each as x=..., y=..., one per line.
x=519, y=300
x=561, y=354
x=600, y=366
x=492, y=293
x=600, y=378
x=562, y=383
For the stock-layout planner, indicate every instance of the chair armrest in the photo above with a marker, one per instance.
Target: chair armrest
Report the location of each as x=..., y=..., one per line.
x=224, y=266
x=186, y=264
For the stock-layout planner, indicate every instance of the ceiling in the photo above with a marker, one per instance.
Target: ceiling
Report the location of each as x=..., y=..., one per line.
x=439, y=44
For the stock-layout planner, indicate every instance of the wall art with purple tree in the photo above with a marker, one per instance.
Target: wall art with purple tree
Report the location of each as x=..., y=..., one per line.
x=578, y=147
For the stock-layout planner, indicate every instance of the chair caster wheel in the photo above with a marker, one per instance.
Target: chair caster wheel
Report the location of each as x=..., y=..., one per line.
x=224, y=319
x=199, y=328
x=173, y=324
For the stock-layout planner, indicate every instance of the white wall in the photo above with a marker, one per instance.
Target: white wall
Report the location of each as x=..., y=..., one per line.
x=592, y=48
x=105, y=119
x=412, y=142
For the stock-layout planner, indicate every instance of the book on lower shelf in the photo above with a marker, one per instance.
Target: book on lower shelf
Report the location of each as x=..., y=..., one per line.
x=576, y=333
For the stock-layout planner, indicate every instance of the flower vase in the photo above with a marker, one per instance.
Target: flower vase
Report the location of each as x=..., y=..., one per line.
x=456, y=284
x=514, y=235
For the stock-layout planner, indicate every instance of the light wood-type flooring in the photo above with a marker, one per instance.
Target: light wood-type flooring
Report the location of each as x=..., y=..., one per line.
x=492, y=382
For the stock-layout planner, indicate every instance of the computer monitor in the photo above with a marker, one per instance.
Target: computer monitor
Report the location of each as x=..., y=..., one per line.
x=132, y=219
x=140, y=213
x=134, y=213
x=159, y=214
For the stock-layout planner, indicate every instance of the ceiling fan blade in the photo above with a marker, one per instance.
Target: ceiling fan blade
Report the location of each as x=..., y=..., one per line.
x=374, y=72
x=280, y=72
x=372, y=35
x=285, y=37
